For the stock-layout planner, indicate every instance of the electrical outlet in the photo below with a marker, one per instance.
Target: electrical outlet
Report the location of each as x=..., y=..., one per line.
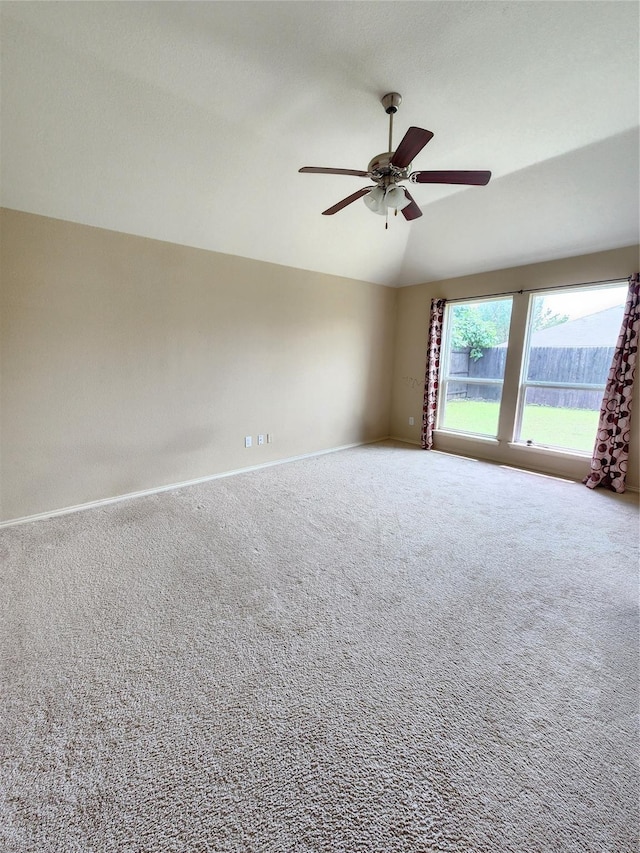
x=247, y=441
x=410, y=421
x=260, y=439
x=269, y=437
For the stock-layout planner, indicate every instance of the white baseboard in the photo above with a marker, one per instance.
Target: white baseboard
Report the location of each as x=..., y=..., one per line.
x=405, y=440
x=41, y=516
x=548, y=473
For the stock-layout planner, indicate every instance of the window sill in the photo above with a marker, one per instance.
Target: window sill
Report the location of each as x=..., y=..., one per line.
x=467, y=436
x=540, y=449
x=562, y=453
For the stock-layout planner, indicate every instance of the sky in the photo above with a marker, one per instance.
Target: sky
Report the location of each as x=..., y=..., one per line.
x=580, y=303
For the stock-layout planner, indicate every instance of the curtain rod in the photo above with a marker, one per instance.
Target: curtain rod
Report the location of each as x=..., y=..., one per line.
x=536, y=289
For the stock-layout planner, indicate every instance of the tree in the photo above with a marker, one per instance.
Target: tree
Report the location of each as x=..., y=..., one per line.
x=544, y=318
x=478, y=327
x=497, y=313
x=469, y=329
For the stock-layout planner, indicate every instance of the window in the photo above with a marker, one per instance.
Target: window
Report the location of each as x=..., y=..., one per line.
x=564, y=355
x=474, y=356
x=571, y=336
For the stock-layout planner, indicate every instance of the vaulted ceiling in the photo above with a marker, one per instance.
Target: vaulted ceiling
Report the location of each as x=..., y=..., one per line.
x=188, y=122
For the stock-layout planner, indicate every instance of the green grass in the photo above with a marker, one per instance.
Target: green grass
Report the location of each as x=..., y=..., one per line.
x=570, y=428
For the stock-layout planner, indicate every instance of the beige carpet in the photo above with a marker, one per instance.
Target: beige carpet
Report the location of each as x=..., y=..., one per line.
x=377, y=650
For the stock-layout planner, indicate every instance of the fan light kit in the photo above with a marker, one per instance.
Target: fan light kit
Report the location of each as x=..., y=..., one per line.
x=389, y=170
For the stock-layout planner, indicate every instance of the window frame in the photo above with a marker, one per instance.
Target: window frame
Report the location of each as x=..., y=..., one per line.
x=445, y=378
x=523, y=383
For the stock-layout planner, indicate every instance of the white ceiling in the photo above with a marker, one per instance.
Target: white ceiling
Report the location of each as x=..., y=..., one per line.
x=188, y=121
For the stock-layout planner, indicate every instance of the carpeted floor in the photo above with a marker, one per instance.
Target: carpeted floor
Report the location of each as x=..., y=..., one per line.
x=376, y=650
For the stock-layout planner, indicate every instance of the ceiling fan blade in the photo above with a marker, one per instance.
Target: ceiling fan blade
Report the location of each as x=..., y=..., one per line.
x=474, y=179
x=411, y=211
x=319, y=170
x=345, y=201
x=412, y=143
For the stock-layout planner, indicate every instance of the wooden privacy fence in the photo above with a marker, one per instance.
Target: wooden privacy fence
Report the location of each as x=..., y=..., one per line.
x=583, y=365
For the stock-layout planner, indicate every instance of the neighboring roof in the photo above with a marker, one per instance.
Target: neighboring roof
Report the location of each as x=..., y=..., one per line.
x=594, y=330
x=188, y=122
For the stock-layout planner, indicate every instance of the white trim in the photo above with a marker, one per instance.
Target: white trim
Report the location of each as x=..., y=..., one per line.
x=562, y=452
x=576, y=386
x=473, y=380
x=485, y=439
x=13, y=522
x=41, y=516
x=404, y=440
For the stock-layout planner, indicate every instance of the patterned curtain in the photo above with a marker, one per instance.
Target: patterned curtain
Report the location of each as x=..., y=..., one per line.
x=429, y=409
x=611, y=451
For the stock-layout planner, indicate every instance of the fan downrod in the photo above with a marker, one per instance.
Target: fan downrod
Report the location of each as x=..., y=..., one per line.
x=391, y=101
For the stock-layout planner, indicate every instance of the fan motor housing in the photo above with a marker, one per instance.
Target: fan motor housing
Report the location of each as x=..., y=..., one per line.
x=381, y=167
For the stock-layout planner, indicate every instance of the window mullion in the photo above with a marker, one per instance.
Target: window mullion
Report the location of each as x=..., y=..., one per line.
x=513, y=368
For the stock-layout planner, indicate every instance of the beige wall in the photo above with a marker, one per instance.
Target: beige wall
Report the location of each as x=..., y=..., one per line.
x=411, y=343
x=130, y=363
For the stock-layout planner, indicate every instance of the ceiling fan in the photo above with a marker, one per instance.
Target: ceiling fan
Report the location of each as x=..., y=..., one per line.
x=388, y=170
